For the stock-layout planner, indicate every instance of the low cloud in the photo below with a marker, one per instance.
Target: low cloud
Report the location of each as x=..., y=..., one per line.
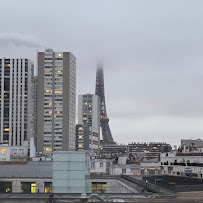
x=17, y=39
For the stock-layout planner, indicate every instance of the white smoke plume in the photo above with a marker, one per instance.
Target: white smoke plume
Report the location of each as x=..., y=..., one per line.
x=19, y=40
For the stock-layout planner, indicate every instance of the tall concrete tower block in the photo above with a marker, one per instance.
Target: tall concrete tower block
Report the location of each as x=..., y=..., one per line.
x=56, y=101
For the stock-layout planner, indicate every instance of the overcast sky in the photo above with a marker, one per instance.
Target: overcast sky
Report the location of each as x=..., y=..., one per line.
x=152, y=53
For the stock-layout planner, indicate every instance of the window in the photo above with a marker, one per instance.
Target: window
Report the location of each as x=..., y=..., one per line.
x=99, y=187
x=58, y=92
x=6, y=84
x=123, y=171
x=92, y=164
x=6, y=187
x=48, y=187
x=3, y=151
x=28, y=187
x=101, y=165
x=33, y=188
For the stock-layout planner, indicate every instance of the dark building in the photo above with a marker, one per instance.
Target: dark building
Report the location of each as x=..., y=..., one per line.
x=148, y=150
x=149, y=147
x=111, y=151
x=82, y=137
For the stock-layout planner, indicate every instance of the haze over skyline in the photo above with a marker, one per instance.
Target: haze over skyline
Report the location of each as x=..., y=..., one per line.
x=151, y=50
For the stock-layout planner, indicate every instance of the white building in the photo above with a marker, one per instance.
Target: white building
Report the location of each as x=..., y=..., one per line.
x=175, y=163
x=89, y=114
x=16, y=101
x=134, y=169
x=56, y=101
x=98, y=166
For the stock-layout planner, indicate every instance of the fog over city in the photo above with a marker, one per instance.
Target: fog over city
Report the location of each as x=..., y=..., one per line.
x=152, y=53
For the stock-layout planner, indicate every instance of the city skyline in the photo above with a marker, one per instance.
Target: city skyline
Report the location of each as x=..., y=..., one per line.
x=152, y=81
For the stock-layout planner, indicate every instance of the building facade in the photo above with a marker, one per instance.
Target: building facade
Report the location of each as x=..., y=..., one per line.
x=16, y=101
x=56, y=101
x=179, y=163
x=189, y=145
x=83, y=139
x=148, y=151
x=89, y=114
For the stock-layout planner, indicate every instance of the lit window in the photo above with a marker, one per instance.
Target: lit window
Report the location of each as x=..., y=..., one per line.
x=47, y=71
x=3, y=151
x=85, y=103
x=8, y=190
x=33, y=188
x=47, y=149
x=80, y=128
x=48, y=187
x=50, y=104
x=59, y=71
x=58, y=91
x=59, y=54
x=80, y=145
x=50, y=112
x=6, y=129
x=58, y=112
x=80, y=136
x=48, y=91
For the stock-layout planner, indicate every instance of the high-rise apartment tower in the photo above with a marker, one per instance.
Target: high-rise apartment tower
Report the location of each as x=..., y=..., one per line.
x=56, y=101
x=88, y=115
x=16, y=101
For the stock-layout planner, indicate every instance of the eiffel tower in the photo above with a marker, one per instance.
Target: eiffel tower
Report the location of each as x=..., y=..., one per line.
x=104, y=121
